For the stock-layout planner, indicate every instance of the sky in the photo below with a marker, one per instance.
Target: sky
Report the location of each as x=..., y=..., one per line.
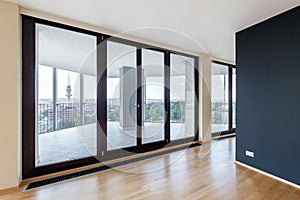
x=45, y=84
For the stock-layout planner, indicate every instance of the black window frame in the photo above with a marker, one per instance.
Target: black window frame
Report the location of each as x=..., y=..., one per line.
x=29, y=169
x=230, y=129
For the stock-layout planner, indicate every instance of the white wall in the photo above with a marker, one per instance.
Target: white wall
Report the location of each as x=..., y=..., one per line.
x=10, y=95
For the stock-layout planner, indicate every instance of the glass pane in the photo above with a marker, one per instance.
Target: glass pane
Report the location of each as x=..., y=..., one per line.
x=219, y=98
x=89, y=99
x=68, y=99
x=233, y=98
x=64, y=59
x=182, y=95
x=121, y=96
x=45, y=99
x=153, y=96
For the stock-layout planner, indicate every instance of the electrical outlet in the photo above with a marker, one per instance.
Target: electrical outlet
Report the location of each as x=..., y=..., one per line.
x=250, y=153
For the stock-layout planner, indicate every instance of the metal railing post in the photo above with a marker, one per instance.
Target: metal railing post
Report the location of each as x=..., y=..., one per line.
x=81, y=98
x=54, y=100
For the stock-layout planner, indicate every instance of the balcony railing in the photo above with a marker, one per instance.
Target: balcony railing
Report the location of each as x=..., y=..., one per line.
x=154, y=112
x=68, y=115
x=65, y=115
x=220, y=112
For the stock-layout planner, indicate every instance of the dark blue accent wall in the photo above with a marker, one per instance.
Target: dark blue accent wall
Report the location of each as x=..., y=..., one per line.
x=268, y=95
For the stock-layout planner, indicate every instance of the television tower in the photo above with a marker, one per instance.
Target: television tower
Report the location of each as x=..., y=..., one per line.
x=68, y=89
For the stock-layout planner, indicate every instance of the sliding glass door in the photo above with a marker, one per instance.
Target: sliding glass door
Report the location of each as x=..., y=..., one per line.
x=65, y=95
x=153, y=96
x=136, y=115
x=121, y=96
x=182, y=97
x=59, y=97
x=219, y=98
x=233, y=98
x=89, y=97
x=223, y=98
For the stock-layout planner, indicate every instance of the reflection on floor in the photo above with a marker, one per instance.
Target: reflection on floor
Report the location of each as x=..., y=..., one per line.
x=204, y=172
x=80, y=142
x=215, y=128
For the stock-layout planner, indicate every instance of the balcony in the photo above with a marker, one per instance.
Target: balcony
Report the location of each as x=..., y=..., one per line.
x=68, y=131
x=64, y=115
x=220, y=116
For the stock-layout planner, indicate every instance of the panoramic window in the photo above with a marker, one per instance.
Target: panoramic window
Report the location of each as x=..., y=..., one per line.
x=65, y=95
x=153, y=96
x=89, y=97
x=222, y=98
x=121, y=95
x=233, y=98
x=182, y=97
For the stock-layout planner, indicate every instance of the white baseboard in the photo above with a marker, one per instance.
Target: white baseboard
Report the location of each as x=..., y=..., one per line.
x=267, y=174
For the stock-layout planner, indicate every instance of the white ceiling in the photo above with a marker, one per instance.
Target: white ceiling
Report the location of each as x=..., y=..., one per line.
x=76, y=52
x=199, y=25
x=66, y=50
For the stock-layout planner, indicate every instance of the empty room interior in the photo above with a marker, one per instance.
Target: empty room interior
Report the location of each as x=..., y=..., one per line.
x=150, y=99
